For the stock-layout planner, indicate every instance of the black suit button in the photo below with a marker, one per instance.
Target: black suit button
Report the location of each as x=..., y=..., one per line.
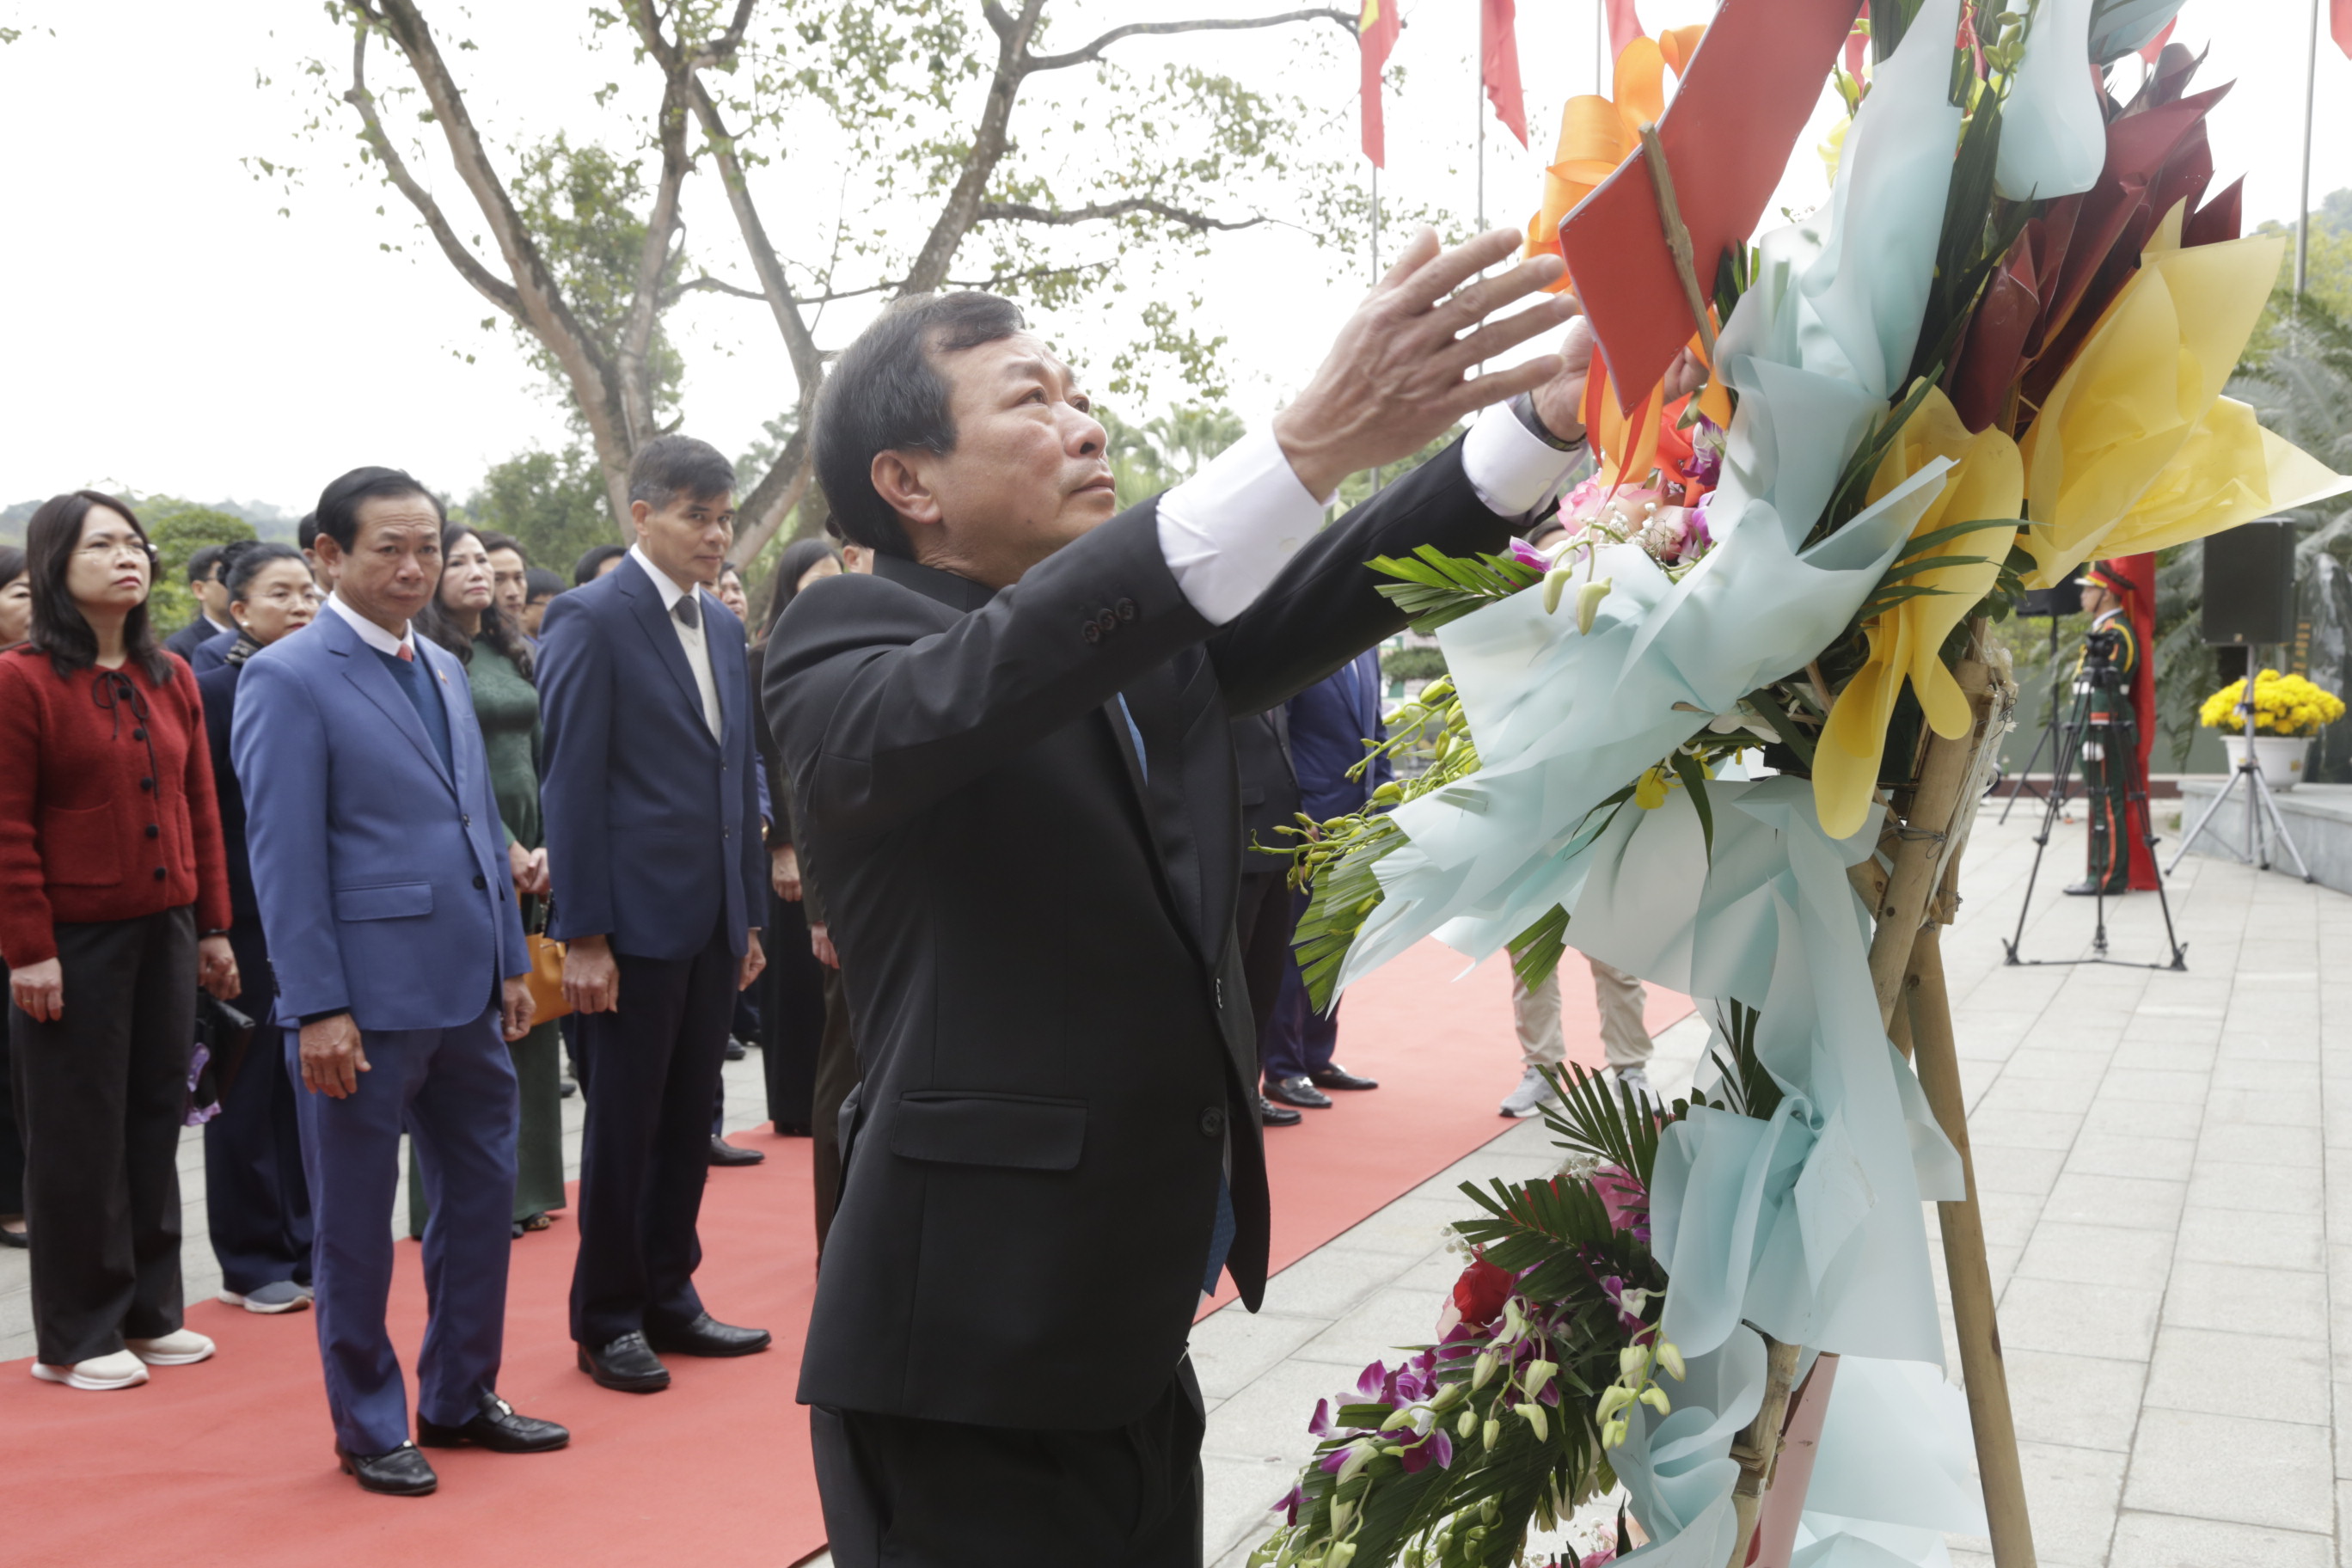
x=159, y=873
x=146, y=784
x=1212, y=1122
x=155, y=830
x=1093, y=632
x=1127, y=609
x=480, y=880
x=139, y=735
x=1107, y=621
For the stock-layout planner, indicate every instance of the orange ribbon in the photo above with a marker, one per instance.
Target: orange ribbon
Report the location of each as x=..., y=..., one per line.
x=1598, y=133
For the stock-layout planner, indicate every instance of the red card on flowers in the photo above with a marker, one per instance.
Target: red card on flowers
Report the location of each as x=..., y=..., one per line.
x=1728, y=135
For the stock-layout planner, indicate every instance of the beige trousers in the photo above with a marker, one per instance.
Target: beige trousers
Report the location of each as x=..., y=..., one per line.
x=1536, y=1014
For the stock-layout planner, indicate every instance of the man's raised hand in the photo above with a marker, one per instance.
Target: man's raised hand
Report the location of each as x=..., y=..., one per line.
x=1398, y=377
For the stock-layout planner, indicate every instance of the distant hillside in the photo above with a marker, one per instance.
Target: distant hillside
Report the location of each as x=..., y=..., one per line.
x=269, y=521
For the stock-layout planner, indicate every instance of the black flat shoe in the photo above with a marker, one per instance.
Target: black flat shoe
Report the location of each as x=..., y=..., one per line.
x=566, y=1088
x=402, y=1472
x=497, y=1427
x=722, y=1153
x=1336, y=1076
x=792, y=1129
x=734, y=1049
x=1298, y=1092
x=15, y=1238
x=708, y=1337
x=1272, y=1115
x=628, y=1364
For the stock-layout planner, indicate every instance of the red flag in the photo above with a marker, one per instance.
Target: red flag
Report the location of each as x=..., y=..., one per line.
x=1498, y=64
x=2139, y=571
x=2155, y=46
x=2339, y=24
x=1624, y=26
x=1376, y=35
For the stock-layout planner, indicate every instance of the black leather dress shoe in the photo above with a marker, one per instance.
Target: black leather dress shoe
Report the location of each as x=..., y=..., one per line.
x=707, y=1336
x=792, y=1129
x=734, y=1049
x=1297, y=1091
x=497, y=1427
x=1336, y=1076
x=628, y=1364
x=1272, y=1115
x=722, y=1153
x=403, y=1472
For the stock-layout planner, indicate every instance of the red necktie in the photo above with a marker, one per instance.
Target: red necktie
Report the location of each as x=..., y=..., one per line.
x=407, y=654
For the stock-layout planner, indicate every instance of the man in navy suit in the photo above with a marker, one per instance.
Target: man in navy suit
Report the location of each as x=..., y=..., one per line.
x=380, y=868
x=654, y=842
x=1329, y=722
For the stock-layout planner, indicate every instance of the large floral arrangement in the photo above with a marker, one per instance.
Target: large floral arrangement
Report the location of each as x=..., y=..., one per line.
x=2284, y=705
x=1998, y=351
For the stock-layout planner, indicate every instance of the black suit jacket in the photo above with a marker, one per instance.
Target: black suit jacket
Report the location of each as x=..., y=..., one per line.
x=1037, y=935
x=1269, y=787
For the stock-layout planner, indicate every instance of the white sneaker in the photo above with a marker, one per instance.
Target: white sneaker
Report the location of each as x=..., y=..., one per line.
x=1528, y=1098
x=98, y=1373
x=277, y=1296
x=1638, y=1080
x=183, y=1347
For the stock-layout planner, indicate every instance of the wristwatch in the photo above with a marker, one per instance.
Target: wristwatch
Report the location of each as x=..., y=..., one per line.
x=1524, y=406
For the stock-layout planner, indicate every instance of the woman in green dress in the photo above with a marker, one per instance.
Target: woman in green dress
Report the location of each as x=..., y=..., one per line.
x=464, y=619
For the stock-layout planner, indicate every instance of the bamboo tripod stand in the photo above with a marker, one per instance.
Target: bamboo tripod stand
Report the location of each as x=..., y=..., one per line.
x=1912, y=899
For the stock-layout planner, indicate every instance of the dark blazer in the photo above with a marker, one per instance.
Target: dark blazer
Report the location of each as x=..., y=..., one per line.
x=653, y=828
x=1269, y=786
x=213, y=652
x=218, y=686
x=192, y=636
x=1329, y=722
x=1037, y=938
x=381, y=875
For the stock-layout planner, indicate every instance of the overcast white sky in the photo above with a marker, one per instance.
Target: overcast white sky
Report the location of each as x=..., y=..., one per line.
x=162, y=328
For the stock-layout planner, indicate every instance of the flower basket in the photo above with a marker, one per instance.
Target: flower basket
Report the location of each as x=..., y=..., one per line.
x=2279, y=757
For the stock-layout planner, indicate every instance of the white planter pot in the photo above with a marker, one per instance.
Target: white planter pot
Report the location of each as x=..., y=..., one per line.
x=2279, y=757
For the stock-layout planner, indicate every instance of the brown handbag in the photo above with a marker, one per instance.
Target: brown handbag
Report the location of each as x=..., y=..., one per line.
x=546, y=978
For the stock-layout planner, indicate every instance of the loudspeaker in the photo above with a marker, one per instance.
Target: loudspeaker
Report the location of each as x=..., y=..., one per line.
x=2250, y=583
x=2065, y=599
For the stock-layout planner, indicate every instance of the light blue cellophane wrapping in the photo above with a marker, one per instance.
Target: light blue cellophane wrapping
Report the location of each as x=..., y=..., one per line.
x=1808, y=1225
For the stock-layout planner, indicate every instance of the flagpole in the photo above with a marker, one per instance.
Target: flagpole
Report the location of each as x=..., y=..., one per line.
x=2303, y=215
x=1599, y=86
x=1376, y=270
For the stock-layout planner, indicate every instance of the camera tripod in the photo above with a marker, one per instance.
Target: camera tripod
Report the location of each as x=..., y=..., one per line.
x=2262, y=816
x=2120, y=743
x=2050, y=736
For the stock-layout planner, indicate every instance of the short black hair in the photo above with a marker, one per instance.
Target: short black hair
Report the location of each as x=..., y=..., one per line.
x=339, y=504
x=539, y=582
x=205, y=564
x=493, y=541
x=306, y=532
x=11, y=564
x=250, y=558
x=592, y=561
x=670, y=466
x=885, y=393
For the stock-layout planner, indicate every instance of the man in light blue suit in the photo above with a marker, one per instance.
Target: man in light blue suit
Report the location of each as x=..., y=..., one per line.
x=385, y=893
x=654, y=843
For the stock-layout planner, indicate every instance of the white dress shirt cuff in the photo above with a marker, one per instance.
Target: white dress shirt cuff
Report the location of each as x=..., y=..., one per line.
x=1229, y=528
x=1512, y=468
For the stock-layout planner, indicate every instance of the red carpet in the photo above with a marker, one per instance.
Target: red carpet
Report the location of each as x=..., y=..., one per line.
x=230, y=1462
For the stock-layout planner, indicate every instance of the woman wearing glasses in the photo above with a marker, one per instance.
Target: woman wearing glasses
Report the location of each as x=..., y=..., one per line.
x=114, y=906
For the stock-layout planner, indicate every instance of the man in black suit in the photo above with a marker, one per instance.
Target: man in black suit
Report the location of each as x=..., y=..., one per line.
x=206, y=582
x=1263, y=918
x=1012, y=748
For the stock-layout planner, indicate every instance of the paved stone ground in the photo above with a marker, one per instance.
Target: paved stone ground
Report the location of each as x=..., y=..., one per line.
x=2165, y=1219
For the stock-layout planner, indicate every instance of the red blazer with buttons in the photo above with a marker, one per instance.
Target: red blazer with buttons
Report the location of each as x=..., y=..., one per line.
x=106, y=811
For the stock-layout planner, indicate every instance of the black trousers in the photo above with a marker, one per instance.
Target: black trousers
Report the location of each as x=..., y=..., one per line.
x=653, y=1069
x=1262, y=923
x=256, y=1202
x=908, y=1493
x=838, y=1073
x=791, y=1017
x=12, y=1137
x=103, y=1094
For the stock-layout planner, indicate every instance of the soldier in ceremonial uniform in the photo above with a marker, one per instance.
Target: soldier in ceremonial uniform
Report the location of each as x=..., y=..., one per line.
x=2105, y=676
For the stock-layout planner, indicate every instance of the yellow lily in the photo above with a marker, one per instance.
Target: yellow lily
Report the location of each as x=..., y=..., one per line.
x=2136, y=448
x=1987, y=480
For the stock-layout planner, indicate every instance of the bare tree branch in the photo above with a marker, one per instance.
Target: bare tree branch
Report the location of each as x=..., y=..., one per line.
x=705, y=284
x=1159, y=29
x=1022, y=212
x=989, y=142
x=468, y=267
x=655, y=256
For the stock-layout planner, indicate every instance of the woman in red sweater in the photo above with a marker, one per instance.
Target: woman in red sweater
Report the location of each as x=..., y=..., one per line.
x=114, y=906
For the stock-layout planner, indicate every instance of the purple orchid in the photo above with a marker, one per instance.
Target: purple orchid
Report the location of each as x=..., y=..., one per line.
x=1289, y=1505
x=1437, y=1448
x=1528, y=556
x=1321, y=1426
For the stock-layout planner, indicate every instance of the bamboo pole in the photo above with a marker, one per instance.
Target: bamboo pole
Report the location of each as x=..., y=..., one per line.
x=1678, y=237
x=1759, y=1445
x=1918, y=857
x=1970, y=1278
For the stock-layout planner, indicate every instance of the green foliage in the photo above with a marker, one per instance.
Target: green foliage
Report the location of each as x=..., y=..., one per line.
x=1436, y=588
x=1411, y=663
x=178, y=528
x=553, y=502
